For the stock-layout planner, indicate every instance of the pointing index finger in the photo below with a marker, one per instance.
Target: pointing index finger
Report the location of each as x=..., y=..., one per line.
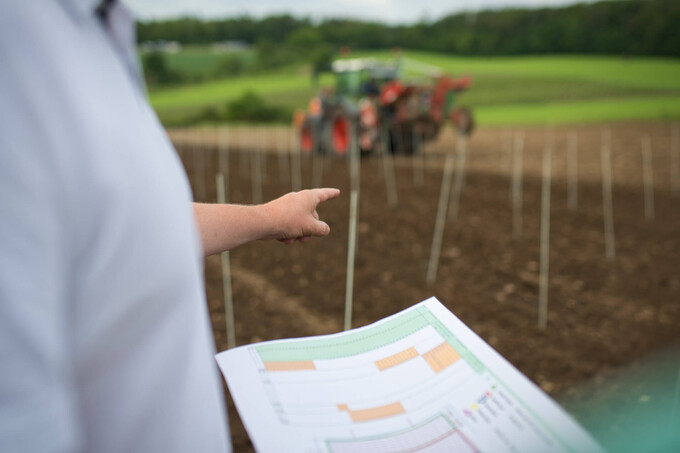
x=326, y=194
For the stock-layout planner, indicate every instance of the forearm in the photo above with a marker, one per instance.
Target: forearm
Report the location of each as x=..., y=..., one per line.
x=289, y=218
x=226, y=226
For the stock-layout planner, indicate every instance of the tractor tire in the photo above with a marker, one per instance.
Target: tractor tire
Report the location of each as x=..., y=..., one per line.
x=309, y=140
x=339, y=139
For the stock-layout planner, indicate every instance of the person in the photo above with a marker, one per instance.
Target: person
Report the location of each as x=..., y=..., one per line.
x=105, y=341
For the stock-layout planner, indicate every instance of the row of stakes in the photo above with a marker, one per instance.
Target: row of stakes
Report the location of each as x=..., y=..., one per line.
x=452, y=184
x=517, y=148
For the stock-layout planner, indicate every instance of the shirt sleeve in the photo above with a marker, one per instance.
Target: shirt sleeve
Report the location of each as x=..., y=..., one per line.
x=38, y=408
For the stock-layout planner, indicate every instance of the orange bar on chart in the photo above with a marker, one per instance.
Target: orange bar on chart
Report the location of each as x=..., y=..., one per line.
x=373, y=413
x=396, y=359
x=299, y=365
x=441, y=357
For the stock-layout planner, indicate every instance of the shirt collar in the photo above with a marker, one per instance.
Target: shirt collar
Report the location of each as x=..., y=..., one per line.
x=82, y=9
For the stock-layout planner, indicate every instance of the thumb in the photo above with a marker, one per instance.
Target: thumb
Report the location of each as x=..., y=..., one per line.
x=320, y=228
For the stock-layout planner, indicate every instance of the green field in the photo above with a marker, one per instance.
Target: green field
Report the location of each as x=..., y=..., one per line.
x=507, y=90
x=199, y=60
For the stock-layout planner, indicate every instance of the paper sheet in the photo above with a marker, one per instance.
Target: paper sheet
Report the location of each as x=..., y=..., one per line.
x=417, y=381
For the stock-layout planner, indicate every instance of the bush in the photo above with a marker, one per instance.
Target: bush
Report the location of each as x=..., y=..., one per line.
x=156, y=71
x=251, y=107
x=230, y=66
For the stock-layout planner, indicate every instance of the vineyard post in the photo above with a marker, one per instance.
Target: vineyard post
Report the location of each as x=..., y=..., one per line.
x=226, y=273
x=355, y=172
x=648, y=177
x=223, y=155
x=440, y=221
x=607, y=202
x=351, y=248
x=517, y=168
x=545, y=230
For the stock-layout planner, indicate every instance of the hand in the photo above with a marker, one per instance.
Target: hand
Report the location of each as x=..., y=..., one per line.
x=293, y=217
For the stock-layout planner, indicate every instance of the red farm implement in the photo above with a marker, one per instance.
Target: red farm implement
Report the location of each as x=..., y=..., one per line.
x=399, y=105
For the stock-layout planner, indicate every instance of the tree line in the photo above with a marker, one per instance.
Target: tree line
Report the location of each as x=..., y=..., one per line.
x=626, y=27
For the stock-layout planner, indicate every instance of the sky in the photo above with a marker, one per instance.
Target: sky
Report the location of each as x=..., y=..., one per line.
x=389, y=11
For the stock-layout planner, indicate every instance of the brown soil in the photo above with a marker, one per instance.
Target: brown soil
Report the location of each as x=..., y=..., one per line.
x=602, y=315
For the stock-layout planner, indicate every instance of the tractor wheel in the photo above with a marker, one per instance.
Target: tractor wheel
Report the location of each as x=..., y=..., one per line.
x=340, y=139
x=307, y=137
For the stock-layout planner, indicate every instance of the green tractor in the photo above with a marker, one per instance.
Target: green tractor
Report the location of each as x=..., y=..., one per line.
x=382, y=105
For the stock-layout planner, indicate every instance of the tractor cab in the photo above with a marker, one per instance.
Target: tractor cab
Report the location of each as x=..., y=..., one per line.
x=360, y=77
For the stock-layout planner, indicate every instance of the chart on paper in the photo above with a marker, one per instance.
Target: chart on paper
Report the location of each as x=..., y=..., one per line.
x=418, y=381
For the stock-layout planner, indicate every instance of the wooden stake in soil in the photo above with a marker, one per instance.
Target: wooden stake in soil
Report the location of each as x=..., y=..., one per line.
x=675, y=159
x=461, y=153
x=518, y=161
x=223, y=156
x=418, y=147
x=355, y=173
x=607, y=202
x=226, y=273
x=440, y=221
x=296, y=163
x=545, y=231
x=572, y=170
x=647, y=176
x=354, y=163
x=351, y=247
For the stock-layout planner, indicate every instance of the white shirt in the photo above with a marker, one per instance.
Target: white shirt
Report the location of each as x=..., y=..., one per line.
x=105, y=343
